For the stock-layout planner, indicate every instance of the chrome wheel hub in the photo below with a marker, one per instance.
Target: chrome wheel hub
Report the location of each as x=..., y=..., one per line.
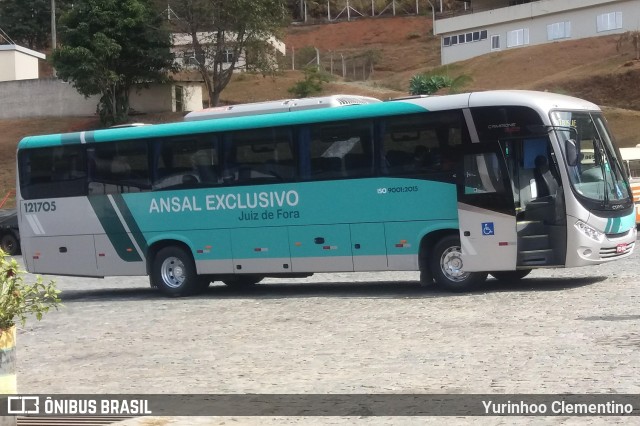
x=451, y=264
x=173, y=272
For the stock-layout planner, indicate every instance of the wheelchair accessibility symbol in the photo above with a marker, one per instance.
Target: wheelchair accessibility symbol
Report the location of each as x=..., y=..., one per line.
x=487, y=228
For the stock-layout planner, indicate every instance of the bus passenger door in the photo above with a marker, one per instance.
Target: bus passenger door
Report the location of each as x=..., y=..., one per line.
x=486, y=211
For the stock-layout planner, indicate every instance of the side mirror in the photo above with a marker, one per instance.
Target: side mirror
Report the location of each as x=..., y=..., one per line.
x=572, y=152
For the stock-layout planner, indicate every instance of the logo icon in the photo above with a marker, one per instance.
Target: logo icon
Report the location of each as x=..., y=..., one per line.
x=23, y=405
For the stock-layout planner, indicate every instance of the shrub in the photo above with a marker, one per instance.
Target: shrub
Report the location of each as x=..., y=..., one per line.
x=19, y=299
x=311, y=85
x=425, y=84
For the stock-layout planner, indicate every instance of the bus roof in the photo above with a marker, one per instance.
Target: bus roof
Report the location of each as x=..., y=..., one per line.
x=541, y=101
x=284, y=105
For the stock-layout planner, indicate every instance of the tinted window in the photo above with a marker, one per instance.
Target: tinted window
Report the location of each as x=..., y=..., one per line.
x=261, y=155
x=340, y=149
x=496, y=123
x=185, y=161
x=118, y=167
x=422, y=143
x=53, y=172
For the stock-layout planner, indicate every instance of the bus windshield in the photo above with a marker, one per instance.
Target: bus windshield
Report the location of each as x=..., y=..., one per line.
x=597, y=175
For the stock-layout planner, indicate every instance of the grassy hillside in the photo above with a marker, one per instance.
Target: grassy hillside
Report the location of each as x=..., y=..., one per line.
x=592, y=69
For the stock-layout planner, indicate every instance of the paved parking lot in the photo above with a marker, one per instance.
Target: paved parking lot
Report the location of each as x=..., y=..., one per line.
x=557, y=331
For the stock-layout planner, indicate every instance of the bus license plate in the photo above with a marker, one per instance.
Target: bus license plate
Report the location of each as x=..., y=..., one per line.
x=621, y=248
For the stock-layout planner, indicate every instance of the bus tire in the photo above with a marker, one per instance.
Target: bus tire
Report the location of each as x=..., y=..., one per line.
x=447, y=269
x=426, y=278
x=510, y=276
x=242, y=281
x=174, y=272
x=9, y=243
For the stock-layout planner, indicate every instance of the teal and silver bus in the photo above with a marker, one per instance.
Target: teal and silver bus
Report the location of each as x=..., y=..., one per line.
x=456, y=187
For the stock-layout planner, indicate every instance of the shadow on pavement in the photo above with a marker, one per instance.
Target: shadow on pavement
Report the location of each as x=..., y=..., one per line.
x=284, y=290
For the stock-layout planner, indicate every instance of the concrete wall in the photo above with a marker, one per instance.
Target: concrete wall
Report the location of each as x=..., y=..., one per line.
x=534, y=17
x=55, y=98
x=43, y=98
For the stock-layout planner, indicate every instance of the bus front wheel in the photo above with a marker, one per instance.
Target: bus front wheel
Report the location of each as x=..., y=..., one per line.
x=447, y=268
x=174, y=272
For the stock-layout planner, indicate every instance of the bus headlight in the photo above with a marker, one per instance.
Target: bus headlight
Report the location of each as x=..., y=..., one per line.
x=589, y=231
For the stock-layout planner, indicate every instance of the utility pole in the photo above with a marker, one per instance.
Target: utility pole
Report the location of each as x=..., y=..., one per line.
x=54, y=41
x=53, y=24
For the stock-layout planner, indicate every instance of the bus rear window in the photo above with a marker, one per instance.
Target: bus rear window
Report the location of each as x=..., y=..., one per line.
x=53, y=172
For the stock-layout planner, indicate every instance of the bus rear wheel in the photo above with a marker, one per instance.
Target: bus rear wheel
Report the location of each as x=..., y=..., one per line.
x=509, y=276
x=447, y=268
x=9, y=243
x=242, y=281
x=174, y=272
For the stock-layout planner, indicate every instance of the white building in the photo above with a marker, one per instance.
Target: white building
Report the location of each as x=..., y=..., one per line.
x=175, y=97
x=492, y=25
x=185, y=55
x=18, y=63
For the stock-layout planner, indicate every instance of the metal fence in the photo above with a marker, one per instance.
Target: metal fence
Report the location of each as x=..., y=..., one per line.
x=346, y=10
x=356, y=66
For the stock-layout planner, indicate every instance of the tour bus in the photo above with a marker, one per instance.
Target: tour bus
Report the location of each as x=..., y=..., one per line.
x=456, y=187
x=631, y=160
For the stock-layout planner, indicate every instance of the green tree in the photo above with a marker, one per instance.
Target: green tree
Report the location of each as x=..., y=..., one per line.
x=108, y=46
x=310, y=85
x=28, y=22
x=224, y=33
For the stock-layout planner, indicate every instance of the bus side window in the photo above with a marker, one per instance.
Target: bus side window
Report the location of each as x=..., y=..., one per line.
x=118, y=167
x=421, y=143
x=261, y=155
x=342, y=149
x=185, y=162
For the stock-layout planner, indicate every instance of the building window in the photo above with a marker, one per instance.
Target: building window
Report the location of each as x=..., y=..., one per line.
x=179, y=93
x=464, y=38
x=495, y=42
x=227, y=56
x=518, y=37
x=188, y=55
x=609, y=21
x=559, y=30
